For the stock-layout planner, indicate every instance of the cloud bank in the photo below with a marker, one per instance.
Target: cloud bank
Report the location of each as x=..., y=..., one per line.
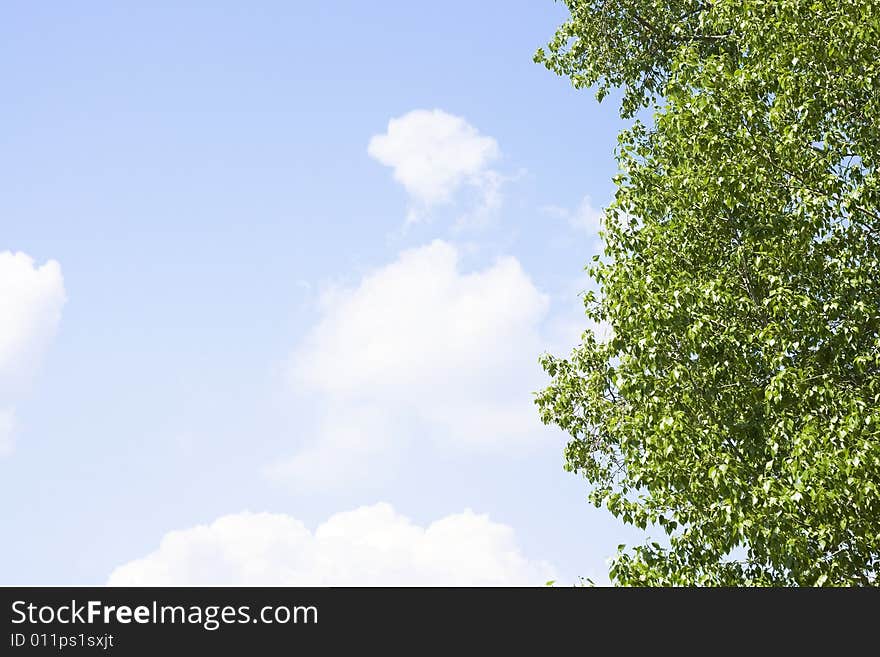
x=31, y=299
x=419, y=350
x=370, y=546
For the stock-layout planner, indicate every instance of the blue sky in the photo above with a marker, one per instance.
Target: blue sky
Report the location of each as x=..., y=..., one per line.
x=258, y=311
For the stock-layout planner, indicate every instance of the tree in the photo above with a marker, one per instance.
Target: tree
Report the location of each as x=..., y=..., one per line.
x=736, y=406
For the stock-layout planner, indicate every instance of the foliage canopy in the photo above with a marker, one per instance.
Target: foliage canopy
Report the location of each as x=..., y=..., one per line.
x=737, y=404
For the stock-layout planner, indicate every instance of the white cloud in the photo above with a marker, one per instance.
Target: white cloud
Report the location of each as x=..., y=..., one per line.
x=370, y=546
x=420, y=321
x=433, y=155
x=420, y=350
x=31, y=298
